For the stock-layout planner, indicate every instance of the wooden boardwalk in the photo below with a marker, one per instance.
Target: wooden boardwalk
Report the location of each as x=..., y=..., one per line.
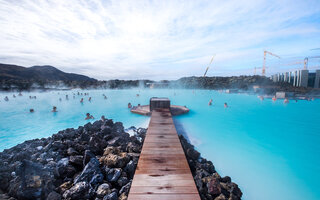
x=163, y=171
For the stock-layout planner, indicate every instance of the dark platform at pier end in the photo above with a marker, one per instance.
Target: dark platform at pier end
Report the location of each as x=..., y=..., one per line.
x=156, y=102
x=163, y=171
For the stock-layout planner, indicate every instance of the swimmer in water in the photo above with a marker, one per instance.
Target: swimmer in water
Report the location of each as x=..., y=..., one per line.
x=286, y=100
x=81, y=101
x=20, y=94
x=31, y=110
x=225, y=105
x=105, y=97
x=261, y=98
x=274, y=98
x=6, y=98
x=14, y=96
x=138, y=104
x=210, y=102
x=88, y=116
x=129, y=105
x=54, y=109
x=89, y=98
x=103, y=118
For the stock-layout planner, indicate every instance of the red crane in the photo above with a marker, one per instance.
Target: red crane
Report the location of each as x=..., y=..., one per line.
x=264, y=60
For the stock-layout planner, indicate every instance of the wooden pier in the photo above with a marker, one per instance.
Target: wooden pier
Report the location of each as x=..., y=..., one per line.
x=163, y=171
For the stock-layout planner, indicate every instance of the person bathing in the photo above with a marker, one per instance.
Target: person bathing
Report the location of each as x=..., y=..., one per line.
x=54, y=109
x=103, y=118
x=88, y=116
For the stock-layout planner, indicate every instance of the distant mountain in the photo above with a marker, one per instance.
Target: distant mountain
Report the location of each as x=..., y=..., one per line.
x=44, y=73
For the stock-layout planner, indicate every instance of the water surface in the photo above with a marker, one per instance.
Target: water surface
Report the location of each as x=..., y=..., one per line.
x=270, y=149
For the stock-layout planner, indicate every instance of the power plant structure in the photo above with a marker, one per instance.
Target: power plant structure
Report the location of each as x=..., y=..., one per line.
x=299, y=78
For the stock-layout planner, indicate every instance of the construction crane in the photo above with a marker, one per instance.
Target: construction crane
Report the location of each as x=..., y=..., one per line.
x=286, y=64
x=209, y=65
x=264, y=60
x=309, y=67
x=255, y=69
x=289, y=64
x=306, y=60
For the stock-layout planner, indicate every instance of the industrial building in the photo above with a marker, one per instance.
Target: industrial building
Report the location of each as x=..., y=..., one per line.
x=299, y=78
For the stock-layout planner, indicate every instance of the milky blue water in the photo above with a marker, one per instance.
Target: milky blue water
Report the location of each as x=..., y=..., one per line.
x=270, y=149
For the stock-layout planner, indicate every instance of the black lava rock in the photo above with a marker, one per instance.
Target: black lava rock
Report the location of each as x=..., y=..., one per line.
x=91, y=173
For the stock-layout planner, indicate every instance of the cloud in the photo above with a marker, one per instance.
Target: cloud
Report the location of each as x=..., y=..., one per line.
x=155, y=39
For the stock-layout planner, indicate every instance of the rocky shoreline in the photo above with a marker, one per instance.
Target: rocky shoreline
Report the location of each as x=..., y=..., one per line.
x=210, y=184
x=96, y=161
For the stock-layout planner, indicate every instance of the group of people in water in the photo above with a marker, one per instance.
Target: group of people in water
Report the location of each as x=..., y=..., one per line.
x=89, y=116
x=210, y=103
x=130, y=105
x=274, y=98
x=54, y=108
x=286, y=100
x=6, y=98
x=89, y=99
x=81, y=94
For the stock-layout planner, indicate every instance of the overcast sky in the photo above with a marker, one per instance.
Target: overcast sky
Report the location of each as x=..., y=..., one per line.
x=158, y=39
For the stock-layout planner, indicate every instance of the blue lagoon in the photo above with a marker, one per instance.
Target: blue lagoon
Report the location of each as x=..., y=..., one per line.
x=270, y=149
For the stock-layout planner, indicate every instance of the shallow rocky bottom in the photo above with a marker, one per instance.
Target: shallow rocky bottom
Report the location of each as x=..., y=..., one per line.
x=96, y=161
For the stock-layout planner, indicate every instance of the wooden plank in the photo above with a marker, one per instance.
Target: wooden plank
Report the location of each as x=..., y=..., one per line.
x=162, y=155
x=159, y=196
x=163, y=135
x=167, y=178
x=163, y=164
x=163, y=148
x=162, y=145
x=163, y=171
x=163, y=138
x=161, y=190
x=156, y=152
